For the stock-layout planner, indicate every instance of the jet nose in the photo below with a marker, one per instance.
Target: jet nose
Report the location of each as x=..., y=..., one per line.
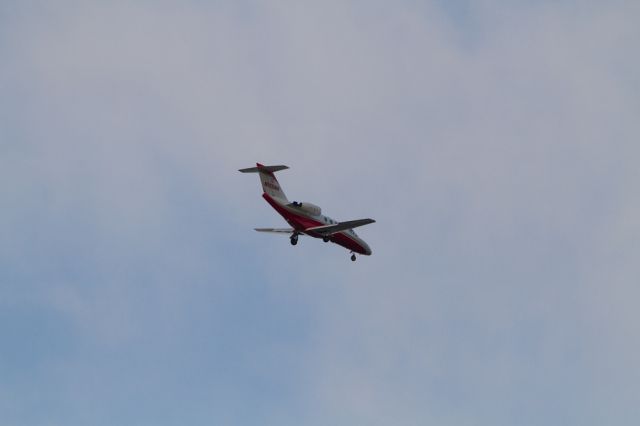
x=367, y=250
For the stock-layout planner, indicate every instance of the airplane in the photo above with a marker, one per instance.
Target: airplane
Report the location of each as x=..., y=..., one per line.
x=307, y=218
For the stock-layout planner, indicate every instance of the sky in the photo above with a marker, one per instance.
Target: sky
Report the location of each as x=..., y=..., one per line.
x=494, y=142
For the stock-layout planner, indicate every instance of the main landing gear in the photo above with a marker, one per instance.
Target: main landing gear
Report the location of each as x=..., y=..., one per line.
x=353, y=257
x=325, y=239
x=294, y=239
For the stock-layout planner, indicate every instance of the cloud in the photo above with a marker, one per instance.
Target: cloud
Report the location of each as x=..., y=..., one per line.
x=495, y=147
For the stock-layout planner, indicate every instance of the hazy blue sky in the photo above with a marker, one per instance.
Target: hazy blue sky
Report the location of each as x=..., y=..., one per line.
x=496, y=144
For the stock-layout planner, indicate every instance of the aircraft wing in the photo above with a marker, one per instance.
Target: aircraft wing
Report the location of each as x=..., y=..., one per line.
x=276, y=230
x=327, y=230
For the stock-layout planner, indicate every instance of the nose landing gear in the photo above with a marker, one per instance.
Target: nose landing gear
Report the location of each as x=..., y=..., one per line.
x=294, y=239
x=353, y=257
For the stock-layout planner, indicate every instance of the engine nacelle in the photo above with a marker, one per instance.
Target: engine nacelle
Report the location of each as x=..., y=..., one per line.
x=310, y=208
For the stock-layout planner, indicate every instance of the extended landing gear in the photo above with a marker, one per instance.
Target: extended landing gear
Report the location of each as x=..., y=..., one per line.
x=325, y=239
x=353, y=257
x=294, y=239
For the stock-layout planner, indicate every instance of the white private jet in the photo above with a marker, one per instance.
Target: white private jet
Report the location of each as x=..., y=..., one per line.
x=306, y=218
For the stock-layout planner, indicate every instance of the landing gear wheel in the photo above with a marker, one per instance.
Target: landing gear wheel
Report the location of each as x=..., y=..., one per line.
x=353, y=257
x=325, y=239
x=294, y=239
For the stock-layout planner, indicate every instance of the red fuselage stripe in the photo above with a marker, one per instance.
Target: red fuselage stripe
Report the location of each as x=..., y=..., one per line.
x=300, y=223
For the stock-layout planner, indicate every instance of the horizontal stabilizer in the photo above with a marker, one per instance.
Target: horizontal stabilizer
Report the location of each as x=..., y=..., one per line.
x=270, y=184
x=339, y=227
x=276, y=230
x=268, y=169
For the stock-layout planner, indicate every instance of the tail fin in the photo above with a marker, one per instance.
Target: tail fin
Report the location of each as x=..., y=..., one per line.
x=270, y=184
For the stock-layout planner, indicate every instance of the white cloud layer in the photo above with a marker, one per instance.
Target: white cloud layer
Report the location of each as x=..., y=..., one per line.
x=494, y=142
